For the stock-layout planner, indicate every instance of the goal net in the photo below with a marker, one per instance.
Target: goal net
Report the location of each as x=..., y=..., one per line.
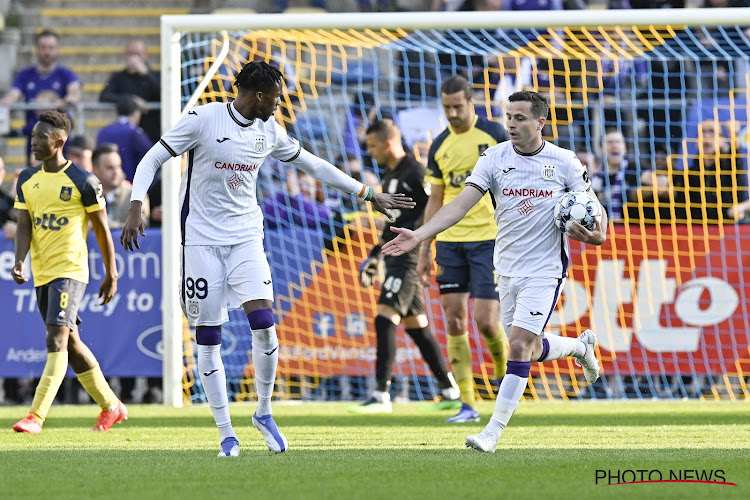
x=653, y=102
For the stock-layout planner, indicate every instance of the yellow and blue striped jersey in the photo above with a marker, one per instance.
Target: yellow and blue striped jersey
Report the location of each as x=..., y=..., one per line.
x=58, y=204
x=451, y=160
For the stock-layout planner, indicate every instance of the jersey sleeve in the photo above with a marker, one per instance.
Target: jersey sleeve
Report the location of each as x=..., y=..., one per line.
x=184, y=135
x=286, y=148
x=92, y=195
x=20, y=202
x=70, y=76
x=433, y=175
x=578, y=177
x=481, y=175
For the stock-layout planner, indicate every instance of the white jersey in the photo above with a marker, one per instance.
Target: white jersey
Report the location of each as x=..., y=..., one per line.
x=525, y=189
x=218, y=201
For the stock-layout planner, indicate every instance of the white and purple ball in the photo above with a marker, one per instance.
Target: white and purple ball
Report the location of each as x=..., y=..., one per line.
x=577, y=206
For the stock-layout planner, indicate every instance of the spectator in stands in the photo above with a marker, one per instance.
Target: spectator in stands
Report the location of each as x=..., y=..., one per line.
x=298, y=205
x=7, y=212
x=619, y=177
x=45, y=75
x=108, y=169
x=141, y=82
x=131, y=140
x=651, y=202
x=79, y=151
x=717, y=180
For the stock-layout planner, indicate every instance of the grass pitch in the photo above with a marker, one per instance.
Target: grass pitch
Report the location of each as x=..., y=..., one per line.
x=550, y=450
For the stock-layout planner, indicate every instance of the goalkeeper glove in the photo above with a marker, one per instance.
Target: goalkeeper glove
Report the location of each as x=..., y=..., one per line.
x=369, y=268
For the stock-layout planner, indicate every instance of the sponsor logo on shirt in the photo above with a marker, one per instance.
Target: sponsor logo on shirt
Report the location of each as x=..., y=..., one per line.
x=238, y=167
x=525, y=207
x=528, y=192
x=458, y=181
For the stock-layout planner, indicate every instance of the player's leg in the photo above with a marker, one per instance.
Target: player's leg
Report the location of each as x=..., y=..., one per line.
x=55, y=313
x=520, y=301
x=203, y=302
x=386, y=322
x=453, y=281
x=582, y=348
x=84, y=364
x=412, y=308
x=483, y=288
x=249, y=283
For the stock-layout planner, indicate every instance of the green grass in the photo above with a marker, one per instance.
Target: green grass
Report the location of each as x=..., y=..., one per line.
x=550, y=450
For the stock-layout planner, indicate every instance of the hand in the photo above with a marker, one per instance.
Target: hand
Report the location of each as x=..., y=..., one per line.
x=405, y=242
x=383, y=201
x=424, y=264
x=367, y=271
x=135, y=64
x=739, y=211
x=156, y=214
x=596, y=236
x=17, y=273
x=108, y=289
x=133, y=226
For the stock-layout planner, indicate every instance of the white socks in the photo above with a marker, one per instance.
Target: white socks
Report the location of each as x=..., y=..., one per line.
x=265, y=359
x=214, y=382
x=563, y=347
x=511, y=390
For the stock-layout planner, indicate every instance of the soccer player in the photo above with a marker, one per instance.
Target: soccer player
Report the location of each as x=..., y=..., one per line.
x=223, y=259
x=401, y=295
x=464, y=251
x=526, y=177
x=55, y=203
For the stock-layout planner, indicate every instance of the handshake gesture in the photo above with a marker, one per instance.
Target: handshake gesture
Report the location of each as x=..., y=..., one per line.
x=370, y=268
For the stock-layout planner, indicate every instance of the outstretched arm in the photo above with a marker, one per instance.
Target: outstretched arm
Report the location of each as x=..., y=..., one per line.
x=332, y=176
x=101, y=228
x=447, y=216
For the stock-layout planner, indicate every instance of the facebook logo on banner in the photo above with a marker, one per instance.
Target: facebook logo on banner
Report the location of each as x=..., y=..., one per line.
x=355, y=325
x=324, y=324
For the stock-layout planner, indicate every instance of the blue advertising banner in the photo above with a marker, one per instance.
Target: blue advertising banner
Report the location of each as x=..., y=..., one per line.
x=125, y=335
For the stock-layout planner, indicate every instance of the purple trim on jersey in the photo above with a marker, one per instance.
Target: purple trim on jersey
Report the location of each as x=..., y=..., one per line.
x=519, y=368
x=208, y=335
x=260, y=319
x=531, y=154
x=186, y=203
x=170, y=150
x=545, y=349
x=564, y=256
x=294, y=157
x=481, y=190
x=552, y=307
x=236, y=120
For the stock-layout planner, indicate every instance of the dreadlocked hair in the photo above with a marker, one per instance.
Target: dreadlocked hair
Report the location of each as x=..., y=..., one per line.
x=56, y=119
x=259, y=76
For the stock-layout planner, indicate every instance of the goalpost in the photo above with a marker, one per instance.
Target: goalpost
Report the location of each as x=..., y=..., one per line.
x=667, y=293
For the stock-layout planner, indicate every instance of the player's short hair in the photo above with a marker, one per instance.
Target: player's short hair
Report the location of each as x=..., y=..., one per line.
x=103, y=149
x=539, y=102
x=457, y=83
x=385, y=129
x=57, y=120
x=79, y=143
x=44, y=34
x=259, y=76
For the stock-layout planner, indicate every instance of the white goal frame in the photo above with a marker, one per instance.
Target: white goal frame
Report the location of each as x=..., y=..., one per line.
x=173, y=26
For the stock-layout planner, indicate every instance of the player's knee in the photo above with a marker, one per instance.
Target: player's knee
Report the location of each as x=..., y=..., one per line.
x=57, y=338
x=520, y=349
x=208, y=335
x=487, y=328
x=260, y=319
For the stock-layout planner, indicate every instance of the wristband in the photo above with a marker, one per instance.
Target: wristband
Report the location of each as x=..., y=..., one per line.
x=370, y=193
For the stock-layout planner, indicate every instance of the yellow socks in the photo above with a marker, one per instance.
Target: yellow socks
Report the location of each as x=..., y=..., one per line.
x=459, y=352
x=98, y=388
x=498, y=348
x=49, y=384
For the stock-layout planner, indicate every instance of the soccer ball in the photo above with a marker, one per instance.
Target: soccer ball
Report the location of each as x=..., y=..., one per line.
x=577, y=206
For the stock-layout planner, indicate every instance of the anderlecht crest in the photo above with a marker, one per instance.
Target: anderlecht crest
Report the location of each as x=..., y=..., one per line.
x=66, y=193
x=548, y=172
x=260, y=144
